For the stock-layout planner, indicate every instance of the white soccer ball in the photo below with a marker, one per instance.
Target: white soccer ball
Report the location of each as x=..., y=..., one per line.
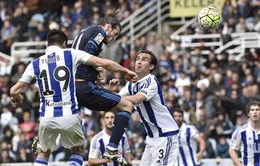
x=209, y=18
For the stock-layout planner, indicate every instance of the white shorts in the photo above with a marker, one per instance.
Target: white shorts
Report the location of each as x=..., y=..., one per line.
x=68, y=127
x=161, y=151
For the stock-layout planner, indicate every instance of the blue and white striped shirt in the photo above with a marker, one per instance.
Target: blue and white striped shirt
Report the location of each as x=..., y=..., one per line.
x=100, y=141
x=188, y=146
x=55, y=74
x=247, y=140
x=156, y=117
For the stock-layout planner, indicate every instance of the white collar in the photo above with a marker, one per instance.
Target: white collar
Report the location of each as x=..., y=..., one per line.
x=52, y=48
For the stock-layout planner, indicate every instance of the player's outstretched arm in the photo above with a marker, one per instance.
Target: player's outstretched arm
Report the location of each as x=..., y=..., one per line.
x=234, y=157
x=112, y=66
x=15, y=91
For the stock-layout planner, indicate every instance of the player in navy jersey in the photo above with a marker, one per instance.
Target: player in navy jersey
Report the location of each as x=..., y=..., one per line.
x=246, y=139
x=146, y=94
x=188, y=138
x=89, y=94
x=59, y=115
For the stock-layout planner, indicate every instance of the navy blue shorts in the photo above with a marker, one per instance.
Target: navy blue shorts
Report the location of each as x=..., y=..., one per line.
x=95, y=98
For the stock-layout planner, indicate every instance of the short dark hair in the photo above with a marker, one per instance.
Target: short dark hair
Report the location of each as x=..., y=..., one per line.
x=251, y=103
x=56, y=37
x=153, y=57
x=111, y=18
x=179, y=111
x=106, y=113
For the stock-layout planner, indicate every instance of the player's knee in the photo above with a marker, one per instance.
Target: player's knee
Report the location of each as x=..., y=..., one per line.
x=78, y=149
x=125, y=105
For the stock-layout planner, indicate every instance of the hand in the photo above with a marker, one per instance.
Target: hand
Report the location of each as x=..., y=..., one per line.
x=199, y=156
x=131, y=76
x=16, y=99
x=101, y=75
x=114, y=85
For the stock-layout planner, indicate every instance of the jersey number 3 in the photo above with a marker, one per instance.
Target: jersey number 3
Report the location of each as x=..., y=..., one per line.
x=65, y=77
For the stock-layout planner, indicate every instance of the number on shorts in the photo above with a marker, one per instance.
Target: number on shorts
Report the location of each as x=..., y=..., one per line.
x=161, y=151
x=65, y=77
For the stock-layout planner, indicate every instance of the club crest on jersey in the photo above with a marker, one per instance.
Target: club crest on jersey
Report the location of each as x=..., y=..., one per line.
x=99, y=38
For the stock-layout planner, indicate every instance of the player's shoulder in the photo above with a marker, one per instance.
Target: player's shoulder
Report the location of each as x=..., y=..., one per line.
x=191, y=127
x=97, y=137
x=241, y=129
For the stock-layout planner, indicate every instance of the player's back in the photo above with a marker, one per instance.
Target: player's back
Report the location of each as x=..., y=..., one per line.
x=55, y=73
x=89, y=40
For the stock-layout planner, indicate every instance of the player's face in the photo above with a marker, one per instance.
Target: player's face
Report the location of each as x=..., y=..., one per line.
x=112, y=35
x=109, y=120
x=178, y=117
x=254, y=113
x=142, y=63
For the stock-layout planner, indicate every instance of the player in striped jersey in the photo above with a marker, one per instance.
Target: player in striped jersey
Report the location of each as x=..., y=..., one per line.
x=101, y=140
x=188, y=138
x=91, y=95
x=146, y=94
x=59, y=115
x=247, y=138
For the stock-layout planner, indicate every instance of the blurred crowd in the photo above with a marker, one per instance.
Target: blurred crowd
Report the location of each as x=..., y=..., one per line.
x=211, y=89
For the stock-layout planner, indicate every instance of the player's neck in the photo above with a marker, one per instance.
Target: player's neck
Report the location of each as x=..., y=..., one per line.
x=108, y=131
x=255, y=125
x=142, y=75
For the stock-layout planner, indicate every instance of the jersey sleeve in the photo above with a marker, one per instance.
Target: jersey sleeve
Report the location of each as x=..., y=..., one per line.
x=235, y=140
x=125, y=90
x=149, y=90
x=80, y=56
x=194, y=132
x=94, y=150
x=95, y=41
x=28, y=74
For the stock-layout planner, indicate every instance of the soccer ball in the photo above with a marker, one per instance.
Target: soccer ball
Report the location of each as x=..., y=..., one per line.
x=209, y=18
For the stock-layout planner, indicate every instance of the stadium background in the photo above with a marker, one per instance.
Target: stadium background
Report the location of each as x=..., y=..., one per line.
x=206, y=73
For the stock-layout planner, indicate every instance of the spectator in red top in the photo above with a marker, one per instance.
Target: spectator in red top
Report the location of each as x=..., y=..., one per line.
x=28, y=126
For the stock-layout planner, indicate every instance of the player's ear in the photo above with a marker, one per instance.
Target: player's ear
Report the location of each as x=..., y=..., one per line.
x=151, y=67
x=108, y=27
x=64, y=44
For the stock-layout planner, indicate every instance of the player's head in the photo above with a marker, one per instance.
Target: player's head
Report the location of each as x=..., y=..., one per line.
x=111, y=25
x=178, y=116
x=145, y=62
x=109, y=118
x=57, y=37
x=253, y=110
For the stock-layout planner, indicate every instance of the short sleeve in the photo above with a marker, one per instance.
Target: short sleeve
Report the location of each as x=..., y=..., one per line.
x=194, y=132
x=235, y=140
x=28, y=74
x=125, y=90
x=80, y=56
x=149, y=90
x=94, y=151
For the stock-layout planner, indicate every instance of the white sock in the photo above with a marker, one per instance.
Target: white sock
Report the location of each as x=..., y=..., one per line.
x=76, y=159
x=41, y=161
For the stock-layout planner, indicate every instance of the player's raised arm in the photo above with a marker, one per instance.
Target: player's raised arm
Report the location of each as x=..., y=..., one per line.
x=112, y=66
